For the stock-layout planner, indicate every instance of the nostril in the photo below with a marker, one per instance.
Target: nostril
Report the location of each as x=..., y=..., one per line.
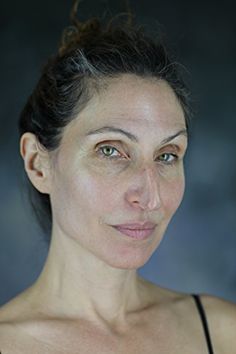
x=133, y=197
x=143, y=201
x=146, y=193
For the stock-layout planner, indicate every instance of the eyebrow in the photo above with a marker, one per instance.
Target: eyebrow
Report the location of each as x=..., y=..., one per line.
x=132, y=137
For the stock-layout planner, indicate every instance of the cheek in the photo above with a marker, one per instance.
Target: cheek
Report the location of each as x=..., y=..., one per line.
x=173, y=194
x=92, y=194
x=104, y=192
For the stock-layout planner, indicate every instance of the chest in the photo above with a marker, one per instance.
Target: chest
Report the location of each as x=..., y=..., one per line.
x=156, y=339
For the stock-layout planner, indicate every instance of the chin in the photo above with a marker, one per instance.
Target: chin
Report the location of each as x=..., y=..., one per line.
x=129, y=259
x=129, y=264
x=129, y=255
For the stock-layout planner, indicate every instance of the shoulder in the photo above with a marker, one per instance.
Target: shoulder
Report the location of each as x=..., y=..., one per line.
x=9, y=320
x=12, y=311
x=18, y=328
x=220, y=315
x=221, y=318
x=14, y=315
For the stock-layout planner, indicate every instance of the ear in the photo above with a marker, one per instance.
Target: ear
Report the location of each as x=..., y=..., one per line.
x=36, y=162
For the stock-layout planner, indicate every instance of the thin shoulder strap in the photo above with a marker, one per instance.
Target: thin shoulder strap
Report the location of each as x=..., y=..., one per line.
x=204, y=322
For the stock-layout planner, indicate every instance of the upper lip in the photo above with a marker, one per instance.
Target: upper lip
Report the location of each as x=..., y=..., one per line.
x=137, y=225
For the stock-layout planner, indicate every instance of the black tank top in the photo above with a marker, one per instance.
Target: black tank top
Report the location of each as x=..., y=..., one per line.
x=204, y=322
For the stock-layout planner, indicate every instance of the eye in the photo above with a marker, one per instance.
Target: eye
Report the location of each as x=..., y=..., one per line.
x=168, y=158
x=109, y=151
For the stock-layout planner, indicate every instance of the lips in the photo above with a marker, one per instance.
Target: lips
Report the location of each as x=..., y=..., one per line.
x=138, y=231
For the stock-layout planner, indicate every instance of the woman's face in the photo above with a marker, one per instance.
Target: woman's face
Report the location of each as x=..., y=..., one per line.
x=120, y=162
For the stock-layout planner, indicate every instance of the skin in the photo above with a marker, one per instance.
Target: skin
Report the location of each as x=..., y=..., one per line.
x=89, y=294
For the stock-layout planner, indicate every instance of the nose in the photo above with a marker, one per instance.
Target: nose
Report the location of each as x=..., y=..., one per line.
x=145, y=194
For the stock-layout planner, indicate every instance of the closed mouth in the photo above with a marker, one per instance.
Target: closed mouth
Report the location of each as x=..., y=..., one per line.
x=137, y=226
x=135, y=231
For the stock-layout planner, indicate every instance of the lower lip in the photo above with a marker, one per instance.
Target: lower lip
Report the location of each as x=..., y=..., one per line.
x=136, y=234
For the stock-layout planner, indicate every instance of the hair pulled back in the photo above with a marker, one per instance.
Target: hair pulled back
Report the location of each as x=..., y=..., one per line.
x=89, y=54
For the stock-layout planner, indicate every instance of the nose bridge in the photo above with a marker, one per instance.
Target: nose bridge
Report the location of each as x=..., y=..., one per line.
x=150, y=191
x=145, y=192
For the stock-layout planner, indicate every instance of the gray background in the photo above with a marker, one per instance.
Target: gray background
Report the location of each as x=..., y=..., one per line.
x=198, y=251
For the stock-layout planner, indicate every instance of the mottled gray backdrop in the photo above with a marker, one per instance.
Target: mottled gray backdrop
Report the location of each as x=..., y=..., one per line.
x=198, y=253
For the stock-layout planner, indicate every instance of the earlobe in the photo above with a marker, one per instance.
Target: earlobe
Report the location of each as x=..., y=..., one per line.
x=36, y=162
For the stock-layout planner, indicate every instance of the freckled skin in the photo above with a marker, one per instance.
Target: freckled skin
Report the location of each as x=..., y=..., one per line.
x=89, y=294
x=89, y=192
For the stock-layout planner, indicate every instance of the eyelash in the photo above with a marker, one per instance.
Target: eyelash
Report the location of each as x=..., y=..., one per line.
x=100, y=149
x=174, y=157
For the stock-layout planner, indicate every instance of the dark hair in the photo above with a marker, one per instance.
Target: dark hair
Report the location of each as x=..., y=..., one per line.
x=89, y=54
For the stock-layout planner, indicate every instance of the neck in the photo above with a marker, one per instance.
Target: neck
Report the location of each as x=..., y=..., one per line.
x=76, y=284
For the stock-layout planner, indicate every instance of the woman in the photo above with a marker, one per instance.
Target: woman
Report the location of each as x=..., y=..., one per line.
x=103, y=137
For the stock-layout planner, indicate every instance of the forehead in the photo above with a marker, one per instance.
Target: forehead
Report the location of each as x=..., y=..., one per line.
x=134, y=103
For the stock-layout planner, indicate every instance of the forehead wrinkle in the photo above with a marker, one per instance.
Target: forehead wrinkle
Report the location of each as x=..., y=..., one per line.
x=131, y=136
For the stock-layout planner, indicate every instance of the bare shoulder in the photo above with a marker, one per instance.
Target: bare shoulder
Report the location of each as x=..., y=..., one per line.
x=220, y=314
x=8, y=321
x=20, y=330
x=221, y=318
x=14, y=309
x=13, y=316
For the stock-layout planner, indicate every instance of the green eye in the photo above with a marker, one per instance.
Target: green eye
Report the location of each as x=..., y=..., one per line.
x=109, y=151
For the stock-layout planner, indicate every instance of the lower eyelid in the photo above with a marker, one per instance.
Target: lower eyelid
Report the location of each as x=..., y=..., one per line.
x=102, y=155
x=169, y=154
